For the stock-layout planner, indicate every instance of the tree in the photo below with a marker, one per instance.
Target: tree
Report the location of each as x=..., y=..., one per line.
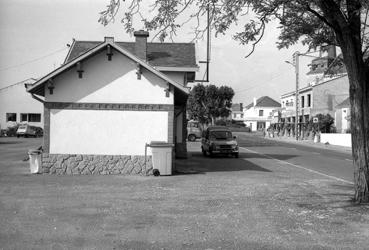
x=343, y=23
x=325, y=124
x=207, y=103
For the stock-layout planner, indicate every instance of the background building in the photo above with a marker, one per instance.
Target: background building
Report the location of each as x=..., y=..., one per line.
x=237, y=112
x=328, y=87
x=321, y=98
x=342, y=117
x=18, y=106
x=259, y=114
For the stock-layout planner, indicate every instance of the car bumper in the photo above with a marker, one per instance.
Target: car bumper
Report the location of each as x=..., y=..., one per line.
x=224, y=151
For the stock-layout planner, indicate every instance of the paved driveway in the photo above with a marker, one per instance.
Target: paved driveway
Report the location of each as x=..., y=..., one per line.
x=212, y=203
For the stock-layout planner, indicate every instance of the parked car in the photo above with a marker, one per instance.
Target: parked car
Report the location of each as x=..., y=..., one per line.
x=219, y=140
x=193, y=130
x=26, y=130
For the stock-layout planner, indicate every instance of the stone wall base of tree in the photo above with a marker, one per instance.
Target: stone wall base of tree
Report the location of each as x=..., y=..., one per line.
x=68, y=164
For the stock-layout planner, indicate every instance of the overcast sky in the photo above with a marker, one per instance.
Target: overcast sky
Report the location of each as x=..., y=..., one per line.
x=34, y=37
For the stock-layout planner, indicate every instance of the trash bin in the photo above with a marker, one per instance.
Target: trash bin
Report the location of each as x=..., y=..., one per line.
x=35, y=160
x=162, y=156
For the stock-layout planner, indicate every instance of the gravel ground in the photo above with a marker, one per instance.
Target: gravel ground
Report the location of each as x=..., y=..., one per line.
x=211, y=203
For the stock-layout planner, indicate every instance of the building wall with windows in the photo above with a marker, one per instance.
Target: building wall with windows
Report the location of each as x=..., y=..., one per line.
x=321, y=98
x=259, y=114
x=18, y=106
x=258, y=118
x=237, y=112
x=329, y=94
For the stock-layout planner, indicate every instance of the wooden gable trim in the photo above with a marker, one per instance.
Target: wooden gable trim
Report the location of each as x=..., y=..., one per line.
x=39, y=84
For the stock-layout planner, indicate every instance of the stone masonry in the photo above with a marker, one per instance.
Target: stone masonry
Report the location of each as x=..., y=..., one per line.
x=66, y=164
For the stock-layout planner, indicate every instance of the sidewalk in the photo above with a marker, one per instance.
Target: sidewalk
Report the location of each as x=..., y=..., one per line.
x=308, y=143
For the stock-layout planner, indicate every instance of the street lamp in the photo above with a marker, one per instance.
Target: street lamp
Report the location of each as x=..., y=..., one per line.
x=295, y=63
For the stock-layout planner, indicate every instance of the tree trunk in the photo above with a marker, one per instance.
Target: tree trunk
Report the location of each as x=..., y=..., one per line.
x=347, y=29
x=359, y=99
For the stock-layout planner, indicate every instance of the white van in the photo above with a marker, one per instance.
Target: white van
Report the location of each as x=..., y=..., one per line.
x=26, y=130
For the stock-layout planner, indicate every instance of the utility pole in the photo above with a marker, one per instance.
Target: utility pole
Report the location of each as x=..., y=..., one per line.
x=296, y=64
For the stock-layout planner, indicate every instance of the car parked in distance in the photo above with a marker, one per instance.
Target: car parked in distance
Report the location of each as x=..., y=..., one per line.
x=193, y=130
x=26, y=130
x=219, y=140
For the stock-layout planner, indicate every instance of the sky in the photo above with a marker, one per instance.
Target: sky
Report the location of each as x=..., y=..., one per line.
x=34, y=37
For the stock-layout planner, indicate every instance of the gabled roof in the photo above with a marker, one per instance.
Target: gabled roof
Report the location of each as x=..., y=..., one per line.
x=236, y=107
x=158, y=54
x=264, y=101
x=344, y=104
x=38, y=88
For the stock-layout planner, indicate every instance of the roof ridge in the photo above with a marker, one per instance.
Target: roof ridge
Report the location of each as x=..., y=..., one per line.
x=89, y=41
x=132, y=42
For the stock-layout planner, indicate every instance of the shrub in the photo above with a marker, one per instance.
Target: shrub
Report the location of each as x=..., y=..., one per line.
x=220, y=123
x=12, y=131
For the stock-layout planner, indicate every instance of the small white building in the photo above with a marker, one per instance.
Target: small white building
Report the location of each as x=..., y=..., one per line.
x=18, y=106
x=237, y=112
x=109, y=99
x=342, y=117
x=259, y=114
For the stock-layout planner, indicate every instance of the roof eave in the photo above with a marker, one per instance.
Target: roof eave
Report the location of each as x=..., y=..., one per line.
x=65, y=67
x=95, y=49
x=177, y=69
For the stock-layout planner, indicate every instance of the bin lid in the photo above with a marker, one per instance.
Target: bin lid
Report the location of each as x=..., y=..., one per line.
x=34, y=152
x=159, y=144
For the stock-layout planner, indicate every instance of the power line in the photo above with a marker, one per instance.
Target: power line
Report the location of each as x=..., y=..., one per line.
x=17, y=83
x=260, y=84
x=33, y=60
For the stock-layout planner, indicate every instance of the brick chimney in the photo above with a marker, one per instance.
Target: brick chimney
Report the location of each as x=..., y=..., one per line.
x=141, y=44
x=254, y=101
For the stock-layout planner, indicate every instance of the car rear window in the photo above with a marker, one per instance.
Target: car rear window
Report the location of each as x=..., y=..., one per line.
x=221, y=135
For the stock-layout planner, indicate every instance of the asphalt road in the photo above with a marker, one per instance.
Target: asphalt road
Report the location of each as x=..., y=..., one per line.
x=333, y=162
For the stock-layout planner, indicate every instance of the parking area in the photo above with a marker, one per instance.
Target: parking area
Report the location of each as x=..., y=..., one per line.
x=211, y=203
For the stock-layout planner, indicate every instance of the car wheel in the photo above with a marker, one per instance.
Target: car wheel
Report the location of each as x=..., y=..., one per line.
x=192, y=138
x=236, y=155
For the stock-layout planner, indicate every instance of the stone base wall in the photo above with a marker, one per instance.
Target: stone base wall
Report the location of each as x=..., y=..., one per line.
x=65, y=164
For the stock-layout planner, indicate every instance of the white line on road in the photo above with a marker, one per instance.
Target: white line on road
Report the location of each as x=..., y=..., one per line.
x=297, y=166
x=348, y=159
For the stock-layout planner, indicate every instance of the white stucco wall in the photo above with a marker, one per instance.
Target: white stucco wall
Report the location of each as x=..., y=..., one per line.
x=336, y=139
x=109, y=82
x=251, y=116
x=253, y=112
x=252, y=125
x=107, y=132
x=15, y=99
